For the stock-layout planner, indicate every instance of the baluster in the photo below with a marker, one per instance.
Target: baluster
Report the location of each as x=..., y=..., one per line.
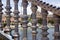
x=7, y=28
x=56, y=24
x=34, y=21
x=44, y=27
x=1, y=14
x=16, y=16
x=24, y=19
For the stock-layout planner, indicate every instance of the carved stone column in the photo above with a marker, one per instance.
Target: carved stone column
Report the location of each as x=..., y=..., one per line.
x=56, y=24
x=1, y=14
x=7, y=28
x=16, y=16
x=34, y=21
x=44, y=23
x=24, y=19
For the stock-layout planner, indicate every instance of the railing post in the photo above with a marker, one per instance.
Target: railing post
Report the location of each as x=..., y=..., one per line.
x=16, y=16
x=24, y=19
x=44, y=23
x=56, y=24
x=34, y=21
x=1, y=14
x=7, y=28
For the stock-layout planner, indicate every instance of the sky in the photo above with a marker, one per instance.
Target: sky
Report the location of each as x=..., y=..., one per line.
x=53, y=2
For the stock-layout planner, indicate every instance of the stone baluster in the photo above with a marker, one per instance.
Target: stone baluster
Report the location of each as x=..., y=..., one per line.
x=7, y=28
x=24, y=19
x=44, y=23
x=16, y=16
x=56, y=31
x=34, y=21
x=1, y=14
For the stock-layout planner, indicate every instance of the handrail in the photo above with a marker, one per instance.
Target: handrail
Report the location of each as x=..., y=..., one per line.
x=46, y=6
x=6, y=35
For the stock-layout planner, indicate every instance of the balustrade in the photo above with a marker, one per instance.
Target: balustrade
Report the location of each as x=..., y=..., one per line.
x=24, y=22
x=34, y=21
x=8, y=7
x=16, y=16
x=1, y=14
x=56, y=24
x=24, y=19
x=44, y=23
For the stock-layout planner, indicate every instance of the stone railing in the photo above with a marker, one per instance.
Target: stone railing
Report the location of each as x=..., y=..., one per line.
x=34, y=3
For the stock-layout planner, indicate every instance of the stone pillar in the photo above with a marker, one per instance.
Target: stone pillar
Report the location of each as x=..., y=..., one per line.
x=34, y=21
x=7, y=28
x=44, y=23
x=1, y=14
x=24, y=19
x=16, y=16
x=56, y=24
